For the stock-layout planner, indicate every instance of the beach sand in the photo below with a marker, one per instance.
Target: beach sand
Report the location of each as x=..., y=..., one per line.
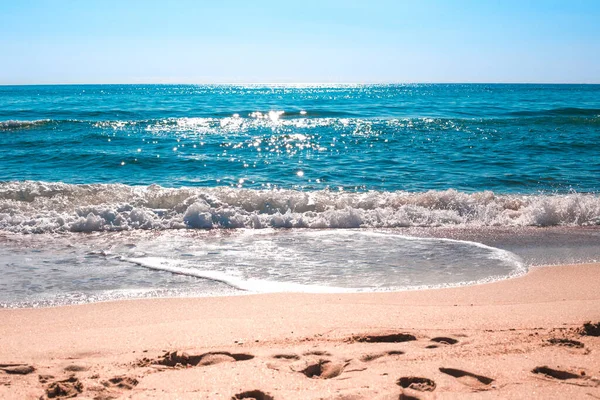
x=518, y=338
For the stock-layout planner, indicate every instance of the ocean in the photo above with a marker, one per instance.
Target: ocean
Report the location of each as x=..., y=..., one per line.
x=124, y=191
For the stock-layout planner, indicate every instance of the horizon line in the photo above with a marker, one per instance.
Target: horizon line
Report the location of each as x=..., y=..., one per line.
x=296, y=83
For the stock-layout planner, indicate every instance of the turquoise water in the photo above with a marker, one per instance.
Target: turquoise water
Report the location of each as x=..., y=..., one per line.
x=504, y=138
x=119, y=191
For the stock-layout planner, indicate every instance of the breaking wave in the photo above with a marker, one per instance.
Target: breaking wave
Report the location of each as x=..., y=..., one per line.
x=38, y=207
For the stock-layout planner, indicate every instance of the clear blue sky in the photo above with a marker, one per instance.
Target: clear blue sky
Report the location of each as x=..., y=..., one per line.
x=133, y=41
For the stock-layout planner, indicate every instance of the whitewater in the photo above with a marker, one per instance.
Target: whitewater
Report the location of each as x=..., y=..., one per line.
x=41, y=207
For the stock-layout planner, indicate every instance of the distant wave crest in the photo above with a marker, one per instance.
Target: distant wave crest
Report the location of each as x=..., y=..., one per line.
x=562, y=112
x=14, y=124
x=224, y=122
x=38, y=207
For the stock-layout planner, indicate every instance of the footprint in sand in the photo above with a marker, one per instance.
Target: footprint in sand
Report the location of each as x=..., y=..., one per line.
x=590, y=329
x=317, y=353
x=172, y=359
x=555, y=373
x=64, y=389
x=322, y=369
x=416, y=383
x=444, y=340
x=566, y=342
x=17, y=369
x=45, y=378
x=391, y=338
x=121, y=382
x=404, y=396
x=252, y=394
x=375, y=356
x=75, y=368
x=478, y=382
x=290, y=356
x=113, y=387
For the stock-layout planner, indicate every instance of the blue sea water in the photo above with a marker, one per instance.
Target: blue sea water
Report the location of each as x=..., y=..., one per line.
x=111, y=191
x=503, y=138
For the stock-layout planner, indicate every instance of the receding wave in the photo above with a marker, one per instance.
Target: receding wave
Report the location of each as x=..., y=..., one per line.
x=38, y=207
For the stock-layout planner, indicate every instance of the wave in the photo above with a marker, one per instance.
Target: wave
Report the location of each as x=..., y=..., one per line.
x=562, y=112
x=39, y=207
x=290, y=114
x=15, y=124
x=243, y=122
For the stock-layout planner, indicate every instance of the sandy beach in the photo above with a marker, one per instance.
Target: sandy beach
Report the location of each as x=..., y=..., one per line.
x=278, y=201
x=518, y=338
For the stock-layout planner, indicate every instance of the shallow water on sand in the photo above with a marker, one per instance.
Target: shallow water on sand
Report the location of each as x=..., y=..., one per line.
x=108, y=266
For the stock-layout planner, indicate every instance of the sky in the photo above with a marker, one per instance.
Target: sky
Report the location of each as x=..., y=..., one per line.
x=260, y=41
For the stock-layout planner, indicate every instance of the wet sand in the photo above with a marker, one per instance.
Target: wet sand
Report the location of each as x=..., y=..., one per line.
x=519, y=338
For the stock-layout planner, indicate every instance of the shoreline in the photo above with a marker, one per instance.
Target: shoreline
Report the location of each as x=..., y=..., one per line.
x=502, y=331
x=247, y=293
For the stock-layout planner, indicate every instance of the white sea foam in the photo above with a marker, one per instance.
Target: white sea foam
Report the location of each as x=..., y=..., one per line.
x=36, y=207
x=250, y=285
